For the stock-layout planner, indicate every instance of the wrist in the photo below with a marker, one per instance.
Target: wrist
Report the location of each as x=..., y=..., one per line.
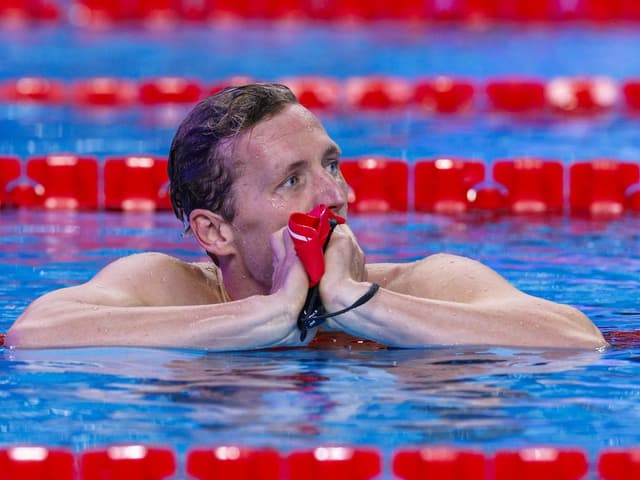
x=349, y=293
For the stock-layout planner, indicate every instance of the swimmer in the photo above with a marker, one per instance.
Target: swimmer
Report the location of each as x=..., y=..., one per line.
x=240, y=164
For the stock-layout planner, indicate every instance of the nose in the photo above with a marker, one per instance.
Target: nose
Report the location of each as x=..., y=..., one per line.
x=332, y=191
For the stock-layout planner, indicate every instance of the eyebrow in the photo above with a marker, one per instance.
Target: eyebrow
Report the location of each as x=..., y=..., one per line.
x=332, y=149
x=293, y=167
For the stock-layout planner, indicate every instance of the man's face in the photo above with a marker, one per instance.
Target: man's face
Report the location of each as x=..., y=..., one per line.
x=284, y=164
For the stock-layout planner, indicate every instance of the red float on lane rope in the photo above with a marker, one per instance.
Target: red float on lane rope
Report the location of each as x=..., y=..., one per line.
x=440, y=463
x=231, y=462
x=335, y=463
x=619, y=464
x=169, y=90
x=36, y=463
x=33, y=89
x=582, y=96
x=315, y=93
x=69, y=182
x=445, y=185
x=9, y=172
x=378, y=184
x=523, y=10
x=533, y=185
x=631, y=93
x=443, y=95
x=21, y=10
x=95, y=11
x=136, y=183
x=516, y=95
x=541, y=463
x=599, y=188
x=131, y=462
x=156, y=11
x=377, y=92
x=104, y=92
x=456, y=10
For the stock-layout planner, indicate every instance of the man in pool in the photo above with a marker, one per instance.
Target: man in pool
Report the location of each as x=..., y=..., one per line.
x=240, y=164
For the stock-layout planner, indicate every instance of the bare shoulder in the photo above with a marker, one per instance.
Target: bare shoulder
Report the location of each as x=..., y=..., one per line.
x=158, y=279
x=148, y=262
x=440, y=276
x=437, y=265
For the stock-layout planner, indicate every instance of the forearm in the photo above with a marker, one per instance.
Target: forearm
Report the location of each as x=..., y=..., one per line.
x=255, y=322
x=407, y=321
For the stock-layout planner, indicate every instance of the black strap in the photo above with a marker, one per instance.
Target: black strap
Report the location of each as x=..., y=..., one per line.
x=314, y=321
x=312, y=308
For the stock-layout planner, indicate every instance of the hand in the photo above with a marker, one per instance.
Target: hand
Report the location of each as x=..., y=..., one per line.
x=344, y=263
x=289, y=277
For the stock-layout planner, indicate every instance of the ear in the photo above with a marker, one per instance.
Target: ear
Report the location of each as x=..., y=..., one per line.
x=213, y=233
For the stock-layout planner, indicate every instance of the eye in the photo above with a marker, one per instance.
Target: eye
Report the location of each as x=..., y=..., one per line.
x=332, y=167
x=292, y=181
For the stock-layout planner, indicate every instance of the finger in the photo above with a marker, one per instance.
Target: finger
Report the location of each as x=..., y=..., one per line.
x=339, y=235
x=278, y=246
x=346, y=229
x=289, y=246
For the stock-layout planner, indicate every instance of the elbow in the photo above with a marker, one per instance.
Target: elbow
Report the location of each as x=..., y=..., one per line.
x=37, y=327
x=12, y=338
x=20, y=334
x=579, y=331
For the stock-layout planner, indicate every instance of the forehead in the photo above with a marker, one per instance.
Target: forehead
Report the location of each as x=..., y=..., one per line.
x=293, y=131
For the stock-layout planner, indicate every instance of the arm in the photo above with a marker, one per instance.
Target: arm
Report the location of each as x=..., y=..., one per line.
x=158, y=301
x=444, y=300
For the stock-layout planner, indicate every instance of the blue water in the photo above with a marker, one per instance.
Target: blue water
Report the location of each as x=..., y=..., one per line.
x=489, y=398
x=267, y=52
x=264, y=50
x=483, y=397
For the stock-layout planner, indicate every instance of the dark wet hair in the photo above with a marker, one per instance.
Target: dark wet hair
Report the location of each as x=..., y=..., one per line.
x=200, y=174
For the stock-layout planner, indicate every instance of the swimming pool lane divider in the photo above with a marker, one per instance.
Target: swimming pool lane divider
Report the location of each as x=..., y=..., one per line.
x=161, y=12
x=141, y=462
x=509, y=94
x=597, y=188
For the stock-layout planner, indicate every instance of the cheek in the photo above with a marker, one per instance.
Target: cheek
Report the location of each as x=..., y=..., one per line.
x=280, y=207
x=254, y=232
x=277, y=203
x=277, y=210
x=261, y=216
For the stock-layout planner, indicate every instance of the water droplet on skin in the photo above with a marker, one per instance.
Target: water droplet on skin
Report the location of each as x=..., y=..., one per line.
x=277, y=204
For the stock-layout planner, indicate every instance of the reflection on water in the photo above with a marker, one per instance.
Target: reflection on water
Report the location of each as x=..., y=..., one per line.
x=489, y=398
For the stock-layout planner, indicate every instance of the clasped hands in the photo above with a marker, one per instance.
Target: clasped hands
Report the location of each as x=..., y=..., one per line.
x=321, y=245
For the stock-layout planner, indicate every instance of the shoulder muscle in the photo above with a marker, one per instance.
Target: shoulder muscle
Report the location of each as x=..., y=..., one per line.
x=441, y=277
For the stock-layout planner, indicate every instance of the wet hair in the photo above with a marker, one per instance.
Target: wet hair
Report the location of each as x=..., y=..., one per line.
x=200, y=173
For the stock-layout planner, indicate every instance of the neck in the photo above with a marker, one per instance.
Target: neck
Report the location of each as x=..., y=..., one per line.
x=239, y=284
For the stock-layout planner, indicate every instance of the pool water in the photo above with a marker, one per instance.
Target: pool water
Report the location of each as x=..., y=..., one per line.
x=489, y=398
x=266, y=52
